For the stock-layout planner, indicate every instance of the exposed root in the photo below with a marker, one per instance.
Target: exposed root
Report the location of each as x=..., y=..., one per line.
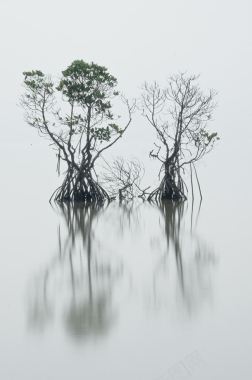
x=80, y=187
x=168, y=190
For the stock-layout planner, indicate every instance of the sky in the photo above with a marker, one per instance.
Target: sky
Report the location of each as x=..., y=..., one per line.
x=137, y=41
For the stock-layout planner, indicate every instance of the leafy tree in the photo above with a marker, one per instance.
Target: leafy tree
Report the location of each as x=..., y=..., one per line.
x=81, y=128
x=179, y=113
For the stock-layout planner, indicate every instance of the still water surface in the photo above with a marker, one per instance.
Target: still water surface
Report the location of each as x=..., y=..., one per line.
x=133, y=291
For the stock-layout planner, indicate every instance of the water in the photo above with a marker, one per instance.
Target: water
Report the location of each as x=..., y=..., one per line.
x=134, y=295
x=132, y=291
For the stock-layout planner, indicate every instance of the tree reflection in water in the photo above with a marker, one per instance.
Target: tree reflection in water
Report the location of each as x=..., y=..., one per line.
x=185, y=266
x=164, y=260
x=78, y=277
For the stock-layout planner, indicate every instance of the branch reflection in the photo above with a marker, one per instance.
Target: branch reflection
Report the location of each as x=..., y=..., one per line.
x=78, y=280
x=185, y=264
x=151, y=250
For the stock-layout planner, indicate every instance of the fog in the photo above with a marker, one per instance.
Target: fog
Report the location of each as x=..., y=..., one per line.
x=137, y=41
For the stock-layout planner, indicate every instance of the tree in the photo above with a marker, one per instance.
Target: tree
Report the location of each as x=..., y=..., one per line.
x=81, y=129
x=124, y=179
x=179, y=113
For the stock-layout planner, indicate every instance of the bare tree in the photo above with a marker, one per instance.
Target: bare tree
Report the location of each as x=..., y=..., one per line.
x=124, y=179
x=81, y=128
x=179, y=113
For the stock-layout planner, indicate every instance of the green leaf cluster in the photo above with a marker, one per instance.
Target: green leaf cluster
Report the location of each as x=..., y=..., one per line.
x=205, y=138
x=36, y=81
x=89, y=85
x=102, y=134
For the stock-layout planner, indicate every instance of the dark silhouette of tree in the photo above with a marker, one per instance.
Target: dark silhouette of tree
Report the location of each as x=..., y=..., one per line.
x=81, y=128
x=123, y=179
x=179, y=113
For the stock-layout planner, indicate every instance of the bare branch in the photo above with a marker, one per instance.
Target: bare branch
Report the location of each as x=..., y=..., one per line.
x=179, y=113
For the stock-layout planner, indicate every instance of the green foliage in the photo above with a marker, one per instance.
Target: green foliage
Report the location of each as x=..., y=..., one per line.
x=88, y=89
x=36, y=81
x=105, y=134
x=116, y=128
x=33, y=73
x=102, y=134
x=205, y=138
x=89, y=85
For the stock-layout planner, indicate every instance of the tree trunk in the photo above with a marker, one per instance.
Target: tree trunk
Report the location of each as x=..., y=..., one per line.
x=171, y=187
x=79, y=186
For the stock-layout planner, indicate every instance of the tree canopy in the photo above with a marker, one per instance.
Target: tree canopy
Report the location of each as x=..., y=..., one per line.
x=81, y=127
